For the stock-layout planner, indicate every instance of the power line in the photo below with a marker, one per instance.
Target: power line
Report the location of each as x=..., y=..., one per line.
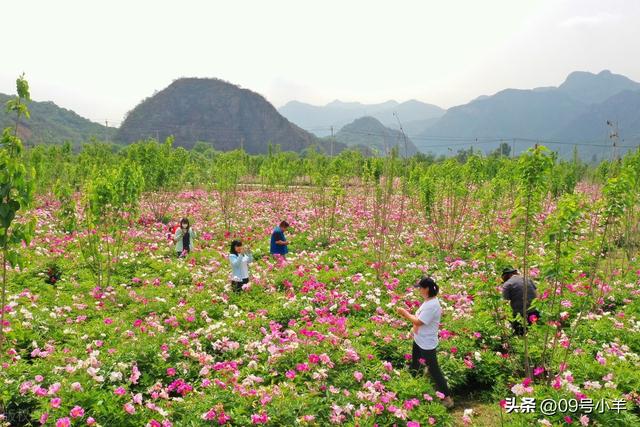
x=487, y=140
x=441, y=141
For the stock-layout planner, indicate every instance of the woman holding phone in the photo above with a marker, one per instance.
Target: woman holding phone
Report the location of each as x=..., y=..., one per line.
x=239, y=259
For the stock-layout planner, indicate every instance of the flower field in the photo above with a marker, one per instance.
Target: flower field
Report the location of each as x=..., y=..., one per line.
x=314, y=340
x=102, y=324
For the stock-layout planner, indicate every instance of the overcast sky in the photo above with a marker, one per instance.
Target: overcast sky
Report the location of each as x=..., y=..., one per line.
x=101, y=58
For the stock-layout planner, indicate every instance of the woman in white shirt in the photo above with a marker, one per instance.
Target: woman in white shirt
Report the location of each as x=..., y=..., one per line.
x=425, y=335
x=239, y=260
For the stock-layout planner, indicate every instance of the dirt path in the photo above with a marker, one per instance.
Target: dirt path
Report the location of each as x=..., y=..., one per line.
x=484, y=413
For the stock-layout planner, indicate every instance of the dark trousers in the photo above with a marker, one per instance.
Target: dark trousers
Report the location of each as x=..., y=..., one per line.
x=431, y=360
x=237, y=286
x=518, y=329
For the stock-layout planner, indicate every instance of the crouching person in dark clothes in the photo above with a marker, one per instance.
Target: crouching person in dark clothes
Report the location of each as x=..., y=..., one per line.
x=513, y=286
x=425, y=336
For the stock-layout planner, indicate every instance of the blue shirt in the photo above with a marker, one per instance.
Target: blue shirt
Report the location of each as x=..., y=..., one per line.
x=278, y=234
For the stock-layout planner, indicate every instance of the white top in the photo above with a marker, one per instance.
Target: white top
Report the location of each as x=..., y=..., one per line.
x=240, y=265
x=429, y=314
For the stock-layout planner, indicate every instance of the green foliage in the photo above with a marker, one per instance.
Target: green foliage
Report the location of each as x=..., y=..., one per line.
x=534, y=168
x=50, y=124
x=113, y=194
x=445, y=189
x=111, y=202
x=227, y=172
x=158, y=163
x=561, y=224
x=565, y=176
x=617, y=197
x=16, y=192
x=67, y=212
x=279, y=168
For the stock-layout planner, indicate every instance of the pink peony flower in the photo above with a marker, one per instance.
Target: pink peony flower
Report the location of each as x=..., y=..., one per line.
x=259, y=418
x=63, y=422
x=76, y=412
x=135, y=374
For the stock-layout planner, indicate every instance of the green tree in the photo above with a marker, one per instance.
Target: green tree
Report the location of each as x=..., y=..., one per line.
x=533, y=172
x=278, y=171
x=111, y=203
x=503, y=150
x=562, y=231
x=162, y=168
x=16, y=192
x=227, y=171
x=445, y=190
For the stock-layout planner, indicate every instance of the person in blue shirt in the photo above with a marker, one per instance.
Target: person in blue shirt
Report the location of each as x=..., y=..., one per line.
x=239, y=260
x=279, y=243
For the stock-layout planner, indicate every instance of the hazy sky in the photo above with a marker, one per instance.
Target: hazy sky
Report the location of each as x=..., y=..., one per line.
x=102, y=58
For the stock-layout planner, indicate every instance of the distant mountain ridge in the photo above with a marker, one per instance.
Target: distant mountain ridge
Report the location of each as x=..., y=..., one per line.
x=319, y=119
x=595, y=88
x=575, y=112
x=370, y=133
x=229, y=117
x=50, y=123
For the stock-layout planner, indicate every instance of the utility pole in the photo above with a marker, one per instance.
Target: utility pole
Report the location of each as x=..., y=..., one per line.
x=332, y=141
x=613, y=136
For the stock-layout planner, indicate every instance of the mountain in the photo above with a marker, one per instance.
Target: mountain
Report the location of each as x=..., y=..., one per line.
x=319, y=119
x=509, y=113
x=591, y=125
x=575, y=112
x=50, y=123
x=595, y=88
x=214, y=111
x=369, y=132
x=415, y=127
